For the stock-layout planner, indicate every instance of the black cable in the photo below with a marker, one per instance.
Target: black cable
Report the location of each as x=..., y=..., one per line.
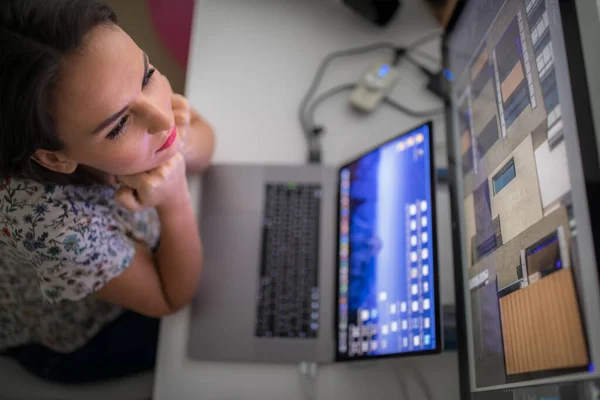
x=417, y=64
x=324, y=96
x=424, y=55
x=417, y=114
x=312, y=132
x=424, y=39
x=323, y=66
x=313, y=138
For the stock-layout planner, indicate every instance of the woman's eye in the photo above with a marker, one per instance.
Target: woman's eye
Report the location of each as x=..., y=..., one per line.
x=147, y=77
x=118, y=130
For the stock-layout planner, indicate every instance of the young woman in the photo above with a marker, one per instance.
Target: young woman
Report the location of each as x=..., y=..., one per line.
x=97, y=233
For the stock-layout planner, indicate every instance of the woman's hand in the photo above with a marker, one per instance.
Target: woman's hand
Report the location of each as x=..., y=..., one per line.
x=182, y=113
x=164, y=187
x=197, y=135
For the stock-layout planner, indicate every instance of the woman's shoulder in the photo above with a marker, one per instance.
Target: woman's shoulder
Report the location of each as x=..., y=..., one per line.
x=32, y=213
x=19, y=195
x=30, y=206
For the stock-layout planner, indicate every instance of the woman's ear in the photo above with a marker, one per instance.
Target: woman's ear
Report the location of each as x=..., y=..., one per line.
x=54, y=161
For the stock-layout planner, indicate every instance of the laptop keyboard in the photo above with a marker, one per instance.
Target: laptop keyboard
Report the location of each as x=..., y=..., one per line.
x=288, y=298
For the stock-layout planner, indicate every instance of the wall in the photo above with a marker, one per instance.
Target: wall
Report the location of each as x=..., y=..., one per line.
x=136, y=18
x=518, y=203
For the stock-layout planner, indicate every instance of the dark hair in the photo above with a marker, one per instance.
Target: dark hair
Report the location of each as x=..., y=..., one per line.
x=34, y=36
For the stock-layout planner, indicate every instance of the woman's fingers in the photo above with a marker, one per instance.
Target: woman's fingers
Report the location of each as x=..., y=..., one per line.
x=127, y=198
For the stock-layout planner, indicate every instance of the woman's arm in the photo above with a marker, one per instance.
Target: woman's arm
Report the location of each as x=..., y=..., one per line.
x=160, y=284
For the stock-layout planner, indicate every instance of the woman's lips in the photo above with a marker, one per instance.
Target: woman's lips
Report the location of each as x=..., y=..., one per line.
x=170, y=140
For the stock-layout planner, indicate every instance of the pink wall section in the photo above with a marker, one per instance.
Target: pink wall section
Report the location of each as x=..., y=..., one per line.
x=172, y=20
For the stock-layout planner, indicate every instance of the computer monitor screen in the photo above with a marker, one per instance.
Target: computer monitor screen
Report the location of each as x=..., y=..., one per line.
x=387, y=278
x=513, y=123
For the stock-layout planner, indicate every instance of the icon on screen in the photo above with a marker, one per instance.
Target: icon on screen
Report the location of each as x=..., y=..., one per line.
x=405, y=342
x=382, y=296
x=424, y=237
x=423, y=206
x=394, y=326
x=416, y=341
x=426, y=340
x=355, y=331
x=414, y=289
x=424, y=254
x=385, y=329
x=373, y=313
x=413, y=225
x=364, y=315
x=413, y=256
x=425, y=270
x=383, y=344
x=413, y=240
x=410, y=141
x=364, y=330
x=353, y=348
x=403, y=306
x=427, y=323
x=345, y=227
x=419, y=138
x=425, y=287
x=414, y=272
x=393, y=308
x=415, y=306
x=373, y=345
x=426, y=304
x=400, y=146
x=404, y=324
x=365, y=346
x=423, y=221
x=373, y=330
x=412, y=210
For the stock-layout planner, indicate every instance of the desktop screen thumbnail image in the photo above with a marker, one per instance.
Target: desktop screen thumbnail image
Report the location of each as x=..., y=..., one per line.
x=520, y=233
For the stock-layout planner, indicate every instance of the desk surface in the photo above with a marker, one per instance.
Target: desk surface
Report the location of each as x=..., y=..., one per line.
x=250, y=63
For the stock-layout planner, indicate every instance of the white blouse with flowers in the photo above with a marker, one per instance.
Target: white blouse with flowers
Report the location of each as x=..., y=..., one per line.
x=58, y=245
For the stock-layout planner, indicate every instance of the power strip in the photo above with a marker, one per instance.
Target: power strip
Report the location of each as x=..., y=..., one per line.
x=374, y=86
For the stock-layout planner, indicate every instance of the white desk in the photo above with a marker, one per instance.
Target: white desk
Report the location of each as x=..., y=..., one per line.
x=250, y=63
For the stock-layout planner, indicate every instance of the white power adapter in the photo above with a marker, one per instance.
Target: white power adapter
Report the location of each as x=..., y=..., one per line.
x=372, y=88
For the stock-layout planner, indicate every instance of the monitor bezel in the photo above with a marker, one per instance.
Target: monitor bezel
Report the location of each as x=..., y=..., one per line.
x=436, y=289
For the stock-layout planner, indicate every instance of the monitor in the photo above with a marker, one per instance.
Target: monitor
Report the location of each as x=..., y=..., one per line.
x=388, y=297
x=524, y=181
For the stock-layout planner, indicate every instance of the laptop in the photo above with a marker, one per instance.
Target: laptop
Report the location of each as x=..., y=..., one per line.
x=320, y=264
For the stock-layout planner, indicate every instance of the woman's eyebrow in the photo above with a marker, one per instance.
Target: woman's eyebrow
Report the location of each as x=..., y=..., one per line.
x=108, y=121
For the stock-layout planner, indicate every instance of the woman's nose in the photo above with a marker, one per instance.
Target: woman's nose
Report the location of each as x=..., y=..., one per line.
x=158, y=119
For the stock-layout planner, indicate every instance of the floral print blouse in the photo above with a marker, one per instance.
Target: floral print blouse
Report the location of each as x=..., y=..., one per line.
x=58, y=245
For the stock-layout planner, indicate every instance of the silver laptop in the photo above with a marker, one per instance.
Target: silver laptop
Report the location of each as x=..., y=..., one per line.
x=314, y=263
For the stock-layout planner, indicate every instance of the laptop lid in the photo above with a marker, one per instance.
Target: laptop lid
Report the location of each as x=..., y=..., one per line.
x=387, y=279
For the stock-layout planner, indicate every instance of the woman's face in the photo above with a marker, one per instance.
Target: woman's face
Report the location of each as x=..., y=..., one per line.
x=112, y=109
